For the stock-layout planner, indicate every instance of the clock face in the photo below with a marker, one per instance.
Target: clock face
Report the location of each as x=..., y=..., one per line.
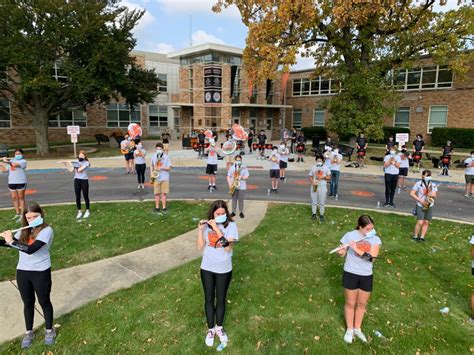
x=217, y=97
x=208, y=97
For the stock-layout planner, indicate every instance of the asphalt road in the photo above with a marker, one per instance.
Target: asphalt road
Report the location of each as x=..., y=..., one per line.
x=354, y=190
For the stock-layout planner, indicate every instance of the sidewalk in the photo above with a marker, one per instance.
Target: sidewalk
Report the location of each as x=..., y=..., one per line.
x=76, y=286
x=188, y=158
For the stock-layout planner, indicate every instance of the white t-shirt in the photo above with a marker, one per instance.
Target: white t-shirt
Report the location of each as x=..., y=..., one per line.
x=404, y=162
x=422, y=190
x=40, y=260
x=138, y=158
x=16, y=174
x=392, y=169
x=163, y=163
x=83, y=174
x=243, y=173
x=333, y=166
x=284, y=157
x=218, y=260
x=354, y=262
x=319, y=173
x=275, y=165
x=212, y=156
x=470, y=168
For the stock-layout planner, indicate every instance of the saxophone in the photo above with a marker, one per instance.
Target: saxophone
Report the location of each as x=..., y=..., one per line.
x=429, y=200
x=235, y=181
x=317, y=177
x=155, y=174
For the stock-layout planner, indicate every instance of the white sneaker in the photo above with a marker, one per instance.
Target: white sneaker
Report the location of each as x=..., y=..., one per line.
x=79, y=215
x=210, y=337
x=87, y=214
x=221, y=334
x=358, y=333
x=349, y=336
x=139, y=186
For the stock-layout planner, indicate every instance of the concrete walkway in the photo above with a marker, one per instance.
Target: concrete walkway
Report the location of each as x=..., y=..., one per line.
x=76, y=286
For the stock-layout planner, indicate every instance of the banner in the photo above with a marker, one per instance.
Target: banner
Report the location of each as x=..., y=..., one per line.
x=212, y=84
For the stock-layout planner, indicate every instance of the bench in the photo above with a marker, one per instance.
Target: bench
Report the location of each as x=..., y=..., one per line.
x=101, y=138
x=3, y=150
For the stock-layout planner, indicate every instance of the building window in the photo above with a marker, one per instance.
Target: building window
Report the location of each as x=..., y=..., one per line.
x=318, y=118
x=121, y=115
x=158, y=116
x=5, y=121
x=177, y=118
x=430, y=77
x=235, y=112
x=297, y=119
x=318, y=86
x=402, y=117
x=162, y=83
x=438, y=117
x=68, y=118
x=297, y=87
x=58, y=73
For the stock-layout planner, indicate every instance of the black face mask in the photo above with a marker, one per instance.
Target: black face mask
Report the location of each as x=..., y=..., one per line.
x=81, y=159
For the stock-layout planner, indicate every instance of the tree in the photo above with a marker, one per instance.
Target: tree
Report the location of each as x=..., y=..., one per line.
x=85, y=44
x=357, y=41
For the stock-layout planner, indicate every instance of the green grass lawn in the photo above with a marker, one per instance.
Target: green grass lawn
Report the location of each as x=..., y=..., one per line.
x=112, y=229
x=286, y=296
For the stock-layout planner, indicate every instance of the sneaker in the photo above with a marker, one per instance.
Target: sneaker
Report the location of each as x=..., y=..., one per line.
x=321, y=218
x=275, y=191
x=421, y=239
x=27, y=339
x=164, y=211
x=221, y=334
x=157, y=210
x=209, y=187
x=404, y=188
x=214, y=187
x=349, y=336
x=471, y=320
x=87, y=214
x=466, y=195
x=210, y=337
x=139, y=186
x=358, y=333
x=49, y=337
x=414, y=238
x=79, y=215
x=18, y=216
x=386, y=204
x=241, y=215
x=232, y=214
x=392, y=205
x=314, y=217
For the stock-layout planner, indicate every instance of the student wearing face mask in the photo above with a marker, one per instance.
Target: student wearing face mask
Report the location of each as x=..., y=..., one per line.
x=445, y=159
x=160, y=162
x=359, y=248
x=81, y=184
x=215, y=238
x=274, y=169
x=391, y=168
x=33, y=273
x=469, y=175
x=140, y=164
x=403, y=170
x=284, y=152
x=318, y=177
x=211, y=167
x=238, y=172
x=16, y=181
x=423, y=192
x=390, y=145
x=361, y=146
x=335, y=168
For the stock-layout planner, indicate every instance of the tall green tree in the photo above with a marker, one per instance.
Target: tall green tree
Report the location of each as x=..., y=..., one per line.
x=356, y=41
x=87, y=42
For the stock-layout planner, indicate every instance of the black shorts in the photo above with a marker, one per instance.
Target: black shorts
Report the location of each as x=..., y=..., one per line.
x=283, y=164
x=403, y=172
x=15, y=187
x=129, y=156
x=211, y=169
x=274, y=173
x=354, y=282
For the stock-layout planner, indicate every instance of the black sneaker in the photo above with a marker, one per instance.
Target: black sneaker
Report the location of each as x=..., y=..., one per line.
x=314, y=217
x=386, y=204
x=321, y=218
x=275, y=191
x=232, y=214
x=157, y=210
x=392, y=205
x=214, y=187
x=421, y=239
x=241, y=215
x=209, y=187
x=165, y=211
x=302, y=160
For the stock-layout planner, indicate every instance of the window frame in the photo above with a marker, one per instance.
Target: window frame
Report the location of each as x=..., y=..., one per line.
x=314, y=117
x=162, y=89
x=429, y=118
x=9, y=114
x=395, y=116
x=118, y=110
x=73, y=121
x=293, y=118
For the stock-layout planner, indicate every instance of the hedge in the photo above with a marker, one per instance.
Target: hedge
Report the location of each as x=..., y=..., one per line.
x=309, y=132
x=460, y=137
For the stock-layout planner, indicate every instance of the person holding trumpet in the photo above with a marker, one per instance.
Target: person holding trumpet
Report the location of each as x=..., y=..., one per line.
x=237, y=179
x=216, y=237
x=274, y=168
x=359, y=247
x=16, y=181
x=423, y=192
x=33, y=274
x=318, y=177
x=160, y=175
x=391, y=168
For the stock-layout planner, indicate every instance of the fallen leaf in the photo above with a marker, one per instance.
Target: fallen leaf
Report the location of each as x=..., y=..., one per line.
x=259, y=343
x=317, y=337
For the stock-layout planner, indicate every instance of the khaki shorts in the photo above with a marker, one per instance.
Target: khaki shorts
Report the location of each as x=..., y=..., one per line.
x=166, y=146
x=161, y=187
x=229, y=159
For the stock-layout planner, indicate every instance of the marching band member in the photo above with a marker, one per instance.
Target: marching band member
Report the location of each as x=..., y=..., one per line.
x=250, y=140
x=262, y=138
x=274, y=169
x=165, y=137
x=16, y=181
x=293, y=140
x=327, y=155
x=391, y=168
x=361, y=146
x=128, y=147
x=284, y=152
x=424, y=192
x=140, y=164
x=300, y=146
x=228, y=158
x=390, y=145
x=33, y=274
x=445, y=159
x=214, y=235
x=329, y=145
x=469, y=175
x=161, y=165
x=211, y=168
x=404, y=166
x=360, y=248
x=81, y=184
x=318, y=177
x=237, y=179
x=418, y=145
x=201, y=141
x=335, y=168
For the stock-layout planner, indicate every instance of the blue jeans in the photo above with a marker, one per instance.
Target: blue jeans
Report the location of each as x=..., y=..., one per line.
x=334, y=182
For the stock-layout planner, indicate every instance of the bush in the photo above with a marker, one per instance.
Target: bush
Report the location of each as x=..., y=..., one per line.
x=390, y=131
x=460, y=137
x=309, y=132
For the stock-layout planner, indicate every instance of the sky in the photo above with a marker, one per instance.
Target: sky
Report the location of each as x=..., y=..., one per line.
x=171, y=25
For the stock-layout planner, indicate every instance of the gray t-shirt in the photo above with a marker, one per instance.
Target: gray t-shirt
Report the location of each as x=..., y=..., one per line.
x=354, y=263
x=39, y=260
x=335, y=166
x=139, y=159
x=319, y=173
x=16, y=174
x=212, y=156
x=284, y=157
x=404, y=162
x=83, y=174
x=163, y=163
x=275, y=165
x=423, y=189
x=218, y=260
x=243, y=173
x=392, y=169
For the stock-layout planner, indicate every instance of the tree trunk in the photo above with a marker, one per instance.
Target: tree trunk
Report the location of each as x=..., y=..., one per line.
x=40, y=124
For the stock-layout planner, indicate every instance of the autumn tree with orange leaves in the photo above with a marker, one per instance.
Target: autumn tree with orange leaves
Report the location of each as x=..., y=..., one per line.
x=357, y=41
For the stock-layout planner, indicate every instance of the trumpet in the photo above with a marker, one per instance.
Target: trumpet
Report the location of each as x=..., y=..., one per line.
x=273, y=158
x=235, y=182
x=327, y=154
x=429, y=202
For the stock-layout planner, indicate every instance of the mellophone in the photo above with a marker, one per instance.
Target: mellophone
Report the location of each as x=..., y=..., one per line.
x=222, y=241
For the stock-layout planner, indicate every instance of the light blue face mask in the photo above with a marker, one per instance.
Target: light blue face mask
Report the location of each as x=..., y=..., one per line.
x=427, y=179
x=371, y=234
x=36, y=222
x=18, y=156
x=221, y=219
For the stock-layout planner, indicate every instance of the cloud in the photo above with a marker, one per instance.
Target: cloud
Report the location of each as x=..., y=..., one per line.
x=201, y=37
x=196, y=6
x=162, y=47
x=147, y=20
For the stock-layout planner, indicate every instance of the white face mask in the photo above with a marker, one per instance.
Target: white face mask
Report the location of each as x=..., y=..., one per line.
x=472, y=156
x=427, y=179
x=319, y=163
x=159, y=150
x=336, y=151
x=393, y=152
